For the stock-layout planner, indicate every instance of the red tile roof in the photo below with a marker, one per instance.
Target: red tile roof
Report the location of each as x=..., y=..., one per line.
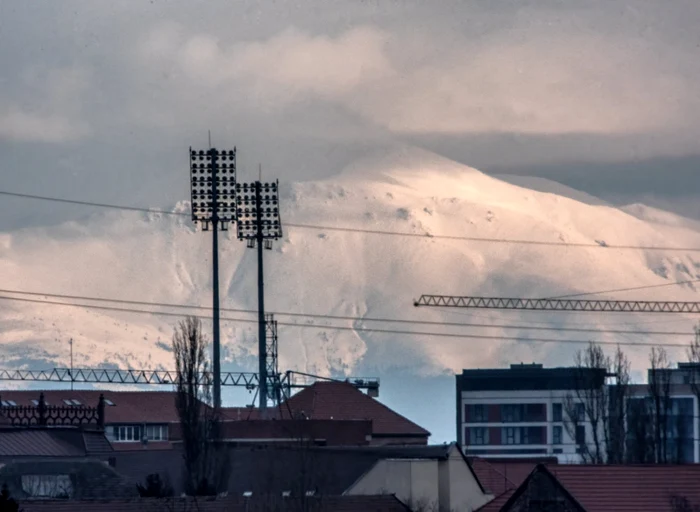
x=501, y=475
x=630, y=488
x=384, y=503
x=343, y=401
x=129, y=406
x=621, y=488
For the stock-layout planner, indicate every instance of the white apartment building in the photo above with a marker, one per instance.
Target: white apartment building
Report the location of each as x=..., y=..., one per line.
x=520, y=412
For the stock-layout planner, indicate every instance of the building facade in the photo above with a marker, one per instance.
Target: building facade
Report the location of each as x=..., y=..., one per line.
x=524, y=411
x=662, y=417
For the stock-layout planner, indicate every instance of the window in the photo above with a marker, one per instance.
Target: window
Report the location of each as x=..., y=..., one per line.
x=9, y=403
x=478, y=435
x=511, y=413
x=47, y=486
x=556, y=434
x=157, y=432
x=478, y=413
x=556, y=412
x=579, y=412
x=71, y=401
x=127, y=433
x=247, y=494
x=535, y=412
x=580, y=434
x=109, y=402
x=511, y=435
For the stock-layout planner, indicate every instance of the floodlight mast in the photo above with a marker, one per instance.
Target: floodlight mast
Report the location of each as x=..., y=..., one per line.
x=262, y=331
x=258, y=222
x=213, y=203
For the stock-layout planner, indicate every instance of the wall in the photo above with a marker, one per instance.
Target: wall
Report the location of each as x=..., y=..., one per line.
x=448, y=483
x=463, y=491
x=412, y=481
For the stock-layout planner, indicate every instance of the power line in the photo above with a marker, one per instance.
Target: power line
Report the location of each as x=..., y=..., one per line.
x=314, y=227
x=618, y=290
x=353, y=318
x=355, y=329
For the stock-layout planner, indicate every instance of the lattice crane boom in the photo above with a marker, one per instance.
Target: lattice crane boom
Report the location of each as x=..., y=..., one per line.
x=611, y=306
x=249, y=380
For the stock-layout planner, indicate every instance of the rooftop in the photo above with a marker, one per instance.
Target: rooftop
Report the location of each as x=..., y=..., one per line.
x=120, y=406
x=51, y=442
x=529, y=377
x=620, y=488
x=343, y=401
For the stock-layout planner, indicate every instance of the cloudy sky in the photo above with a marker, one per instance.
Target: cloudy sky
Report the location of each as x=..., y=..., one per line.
x=100, y=100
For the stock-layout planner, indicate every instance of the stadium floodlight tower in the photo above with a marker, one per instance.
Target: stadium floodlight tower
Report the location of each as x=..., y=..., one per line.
x=213, y=185
x=258, y=218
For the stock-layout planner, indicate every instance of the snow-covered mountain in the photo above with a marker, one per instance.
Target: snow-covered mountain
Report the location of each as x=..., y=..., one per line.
x=163, y=258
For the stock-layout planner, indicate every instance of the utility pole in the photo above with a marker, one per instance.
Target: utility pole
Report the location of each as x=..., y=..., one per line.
x=213, y=182
x=258, y=222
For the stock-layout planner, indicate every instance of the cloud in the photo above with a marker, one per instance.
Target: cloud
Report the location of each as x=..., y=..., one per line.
x=19, y=126
x=47, y=108
x=547, y=83
x=574, y=84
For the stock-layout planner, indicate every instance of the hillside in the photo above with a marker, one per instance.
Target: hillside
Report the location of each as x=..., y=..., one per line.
x=161, y=258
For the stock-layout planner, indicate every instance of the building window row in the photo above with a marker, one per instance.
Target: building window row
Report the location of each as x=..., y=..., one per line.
x=495, y=436
x=522, y=413
x=136, y=433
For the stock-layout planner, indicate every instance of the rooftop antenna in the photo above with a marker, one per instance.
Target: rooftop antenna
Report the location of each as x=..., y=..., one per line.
x=209, y=133
x=259, y=172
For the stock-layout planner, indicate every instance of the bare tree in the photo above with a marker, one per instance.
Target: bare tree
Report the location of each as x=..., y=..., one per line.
x=590, y=403
x=205, y=465
x=659, y=389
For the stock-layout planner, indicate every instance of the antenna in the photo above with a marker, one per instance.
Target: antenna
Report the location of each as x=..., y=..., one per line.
x=209, y=132
x=259, y=172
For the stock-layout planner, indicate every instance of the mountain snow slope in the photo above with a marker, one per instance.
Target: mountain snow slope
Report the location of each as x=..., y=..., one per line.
x=163, y=258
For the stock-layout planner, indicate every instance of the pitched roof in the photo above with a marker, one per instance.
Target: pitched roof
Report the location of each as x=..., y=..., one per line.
x=384, y=503
x=51, y=442
x=629, y=488
x=129, y=406
x=343, y=401
x=500, y=475
x=619, y=488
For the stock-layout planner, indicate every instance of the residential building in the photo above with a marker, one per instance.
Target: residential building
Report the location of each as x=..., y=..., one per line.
x=524, y=411
x=133, y=419
x=603, y=488
x=673, y=412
